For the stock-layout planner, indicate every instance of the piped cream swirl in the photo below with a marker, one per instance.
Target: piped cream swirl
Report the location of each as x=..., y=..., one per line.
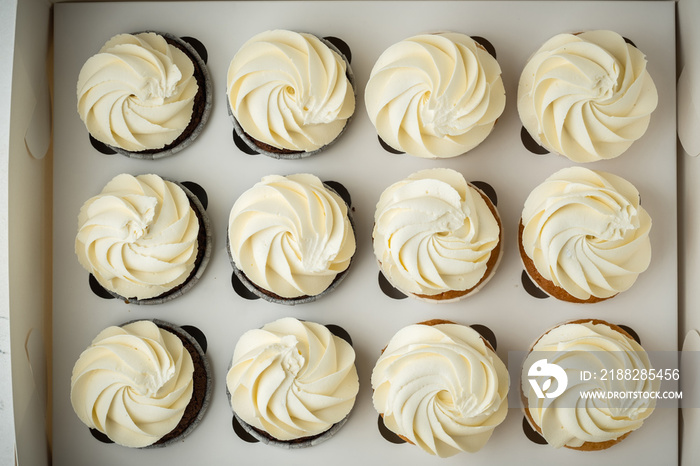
x=292, y=379
x=441, y=387
x=587, y=96
x=586, y=232
x=137, y=93
x=291, y=235
x=570, y=420
x=290, y=90
x=435, y=95
x=138, y=237
x=133, y=383
x=433, y=233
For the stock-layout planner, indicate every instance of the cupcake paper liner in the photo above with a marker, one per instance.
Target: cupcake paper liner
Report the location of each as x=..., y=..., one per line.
x=291, y=444
x=301, y=154
x=208, y=100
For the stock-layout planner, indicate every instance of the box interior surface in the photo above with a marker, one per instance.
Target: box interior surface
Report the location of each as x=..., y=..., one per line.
x=79, y=172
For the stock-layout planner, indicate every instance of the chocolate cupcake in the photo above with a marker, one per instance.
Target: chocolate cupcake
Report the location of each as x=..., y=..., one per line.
x=584, y=236
x=587, y=96
x=143, y=384
x=290, y=94
x=440, y=386
x=306, y=391
x=145, y=95
x=291, y=239
x=437, y=237
x=556, y=410
x=146, y=240
x=435, y=95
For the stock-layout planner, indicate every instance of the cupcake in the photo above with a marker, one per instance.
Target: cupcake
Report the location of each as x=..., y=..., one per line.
x=290, y=238
x=441, y=386
x=435, y=95
x=436, y=237
x=143, y=384
x=584, y=236
x=145, y=95
x=290, y=94
x=146, y=240
x=559, y=413
x=586, y=96
x=292, y=383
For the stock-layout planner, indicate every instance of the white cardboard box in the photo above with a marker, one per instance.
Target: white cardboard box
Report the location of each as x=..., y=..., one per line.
x=27, y=174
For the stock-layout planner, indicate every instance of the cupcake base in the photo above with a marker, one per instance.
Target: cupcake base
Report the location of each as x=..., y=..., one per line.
x=204, y=242
x=546, y=285
x=287, y=154
x=200, y=112
x=201, y=393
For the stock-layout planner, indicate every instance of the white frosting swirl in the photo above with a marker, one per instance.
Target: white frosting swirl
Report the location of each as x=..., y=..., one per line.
x=291, y=235
x=290, y=90
x=441, y=387
x=133, y=383
x=433, y=232
x=137, y=93
x=587, y=96
x=435, y=95
x=292, y=379
x=586, y=232
x=570, y=420
x=138, y=237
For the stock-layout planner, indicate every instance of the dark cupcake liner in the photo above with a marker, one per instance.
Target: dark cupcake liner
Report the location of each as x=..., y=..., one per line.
x=286, y=154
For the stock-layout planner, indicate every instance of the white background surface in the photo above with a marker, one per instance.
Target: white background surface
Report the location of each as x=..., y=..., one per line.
x=516, y=30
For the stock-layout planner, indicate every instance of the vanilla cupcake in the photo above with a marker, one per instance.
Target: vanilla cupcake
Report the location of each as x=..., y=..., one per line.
x=586, y=96
x=292, y=383
x=143, y=384
x=145, y=95
x=146, y=240
x=435, y=95
x=561, y=416
x=290, y=94
x=290, y=238
x=584, y=236
x=436, y=237
x=441, y=386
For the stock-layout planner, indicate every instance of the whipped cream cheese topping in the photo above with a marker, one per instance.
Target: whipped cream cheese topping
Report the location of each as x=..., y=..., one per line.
x=568, y=420
x=138, y=237
x=137, y=93
x=290, y=90
x=291, y=235
x=587, y=96
x=292, y=379
x=133, y=383
x=586, y=232
x=433, y=232
x=435, y=95
x=441, y=387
